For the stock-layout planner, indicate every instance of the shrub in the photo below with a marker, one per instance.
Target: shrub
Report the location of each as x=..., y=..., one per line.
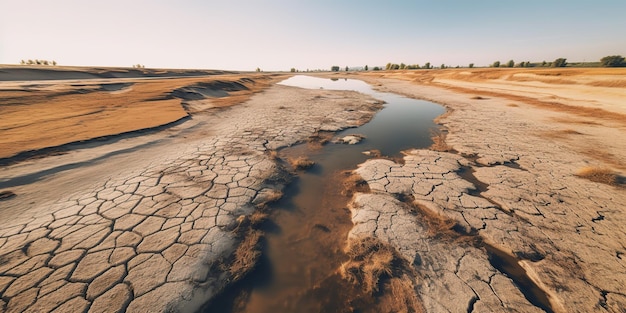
x=612, y=61
x=427, y=65
x=366, y=68
x=598, y=175
x=560, y=62
x=293, y=69
x=496, y=64
x=511, y=63
x=335, y=68
x=471, y=65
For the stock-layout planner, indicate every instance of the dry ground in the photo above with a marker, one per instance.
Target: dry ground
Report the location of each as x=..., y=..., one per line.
x=42, y=114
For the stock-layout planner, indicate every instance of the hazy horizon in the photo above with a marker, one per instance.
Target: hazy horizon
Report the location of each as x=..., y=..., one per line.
x=280, y=34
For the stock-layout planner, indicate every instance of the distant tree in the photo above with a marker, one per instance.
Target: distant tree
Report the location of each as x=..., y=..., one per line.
x=402, y=66
x=511, y=63
x=376, y=68
x=22, y=62
x=560, y=62
x=496, y=64
x=471, y=65
x=347, y=68
x=443, y=66
x=54, y=63
x=544, y=63
x=366, y=68
x=44, y=62
x=427, y=65
x=30, y=62
x=612, y=61
x=293, y=69
x=258, y=69
x=388, y=66
x=335, y=68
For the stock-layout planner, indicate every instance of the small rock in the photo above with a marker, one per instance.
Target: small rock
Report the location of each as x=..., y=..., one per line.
x=350, y=139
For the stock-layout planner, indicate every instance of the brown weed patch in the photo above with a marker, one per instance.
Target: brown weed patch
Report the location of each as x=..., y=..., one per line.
x=246, y=255
x=370, y=261
x=439, y=142
x=353, y=183
x=599, y=175
x=301, y=163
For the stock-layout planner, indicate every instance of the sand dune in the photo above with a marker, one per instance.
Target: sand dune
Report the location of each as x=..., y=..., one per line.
x=43, y=114
x=28, y=73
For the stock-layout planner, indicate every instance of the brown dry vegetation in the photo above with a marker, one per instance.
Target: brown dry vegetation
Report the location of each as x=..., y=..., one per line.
x=300, y=163
x=353, y=183
x=599, y=175
x=381, y=271
x=439, y=142
x=370, y=261
x=246, y=255
x=57, y=113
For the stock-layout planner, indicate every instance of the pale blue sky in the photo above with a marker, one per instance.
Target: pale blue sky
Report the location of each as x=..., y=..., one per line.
x=308, y=34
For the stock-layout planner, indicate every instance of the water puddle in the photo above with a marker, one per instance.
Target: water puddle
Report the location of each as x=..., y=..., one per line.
x=309, y=225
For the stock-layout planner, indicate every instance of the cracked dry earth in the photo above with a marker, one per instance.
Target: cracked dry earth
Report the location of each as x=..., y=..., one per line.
x=566, y=232
x=154, y=236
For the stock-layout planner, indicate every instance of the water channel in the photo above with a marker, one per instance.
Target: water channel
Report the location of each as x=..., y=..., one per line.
x=309, y=225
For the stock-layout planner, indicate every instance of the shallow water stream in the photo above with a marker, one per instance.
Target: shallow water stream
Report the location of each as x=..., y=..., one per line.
x=309, y=225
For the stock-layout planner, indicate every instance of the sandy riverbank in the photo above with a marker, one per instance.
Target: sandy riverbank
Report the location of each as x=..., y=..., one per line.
x=512, y=178
x=51, y=109
x=162, y=219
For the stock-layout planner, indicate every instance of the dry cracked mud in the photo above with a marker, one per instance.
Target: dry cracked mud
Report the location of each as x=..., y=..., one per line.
x=154, y=233
x=155, y=229
x=513, y=190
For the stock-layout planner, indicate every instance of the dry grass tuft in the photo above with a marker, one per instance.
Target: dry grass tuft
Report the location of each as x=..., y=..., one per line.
x=319, y=139
x=257, y=218
x=478, y=98
x=513, y=105
x=379, y=270
x=267, y=196
x=401, y=297
x=370, y=260
x=599, y=175
x=439, y=142
x=273, y=154
x=246, y=255
x=354, y=183
x=301, y=163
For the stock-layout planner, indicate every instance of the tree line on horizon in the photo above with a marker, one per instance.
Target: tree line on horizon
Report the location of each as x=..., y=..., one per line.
x=38, y=62
x=607, y=61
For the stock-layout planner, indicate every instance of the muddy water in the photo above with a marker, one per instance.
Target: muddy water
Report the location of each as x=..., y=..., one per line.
x=309, y=225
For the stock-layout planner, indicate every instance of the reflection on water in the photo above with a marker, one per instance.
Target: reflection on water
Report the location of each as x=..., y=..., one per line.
x=310, y=224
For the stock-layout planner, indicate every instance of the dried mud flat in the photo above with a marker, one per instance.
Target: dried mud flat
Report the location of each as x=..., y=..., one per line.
x=158, y=228
x=511, y=182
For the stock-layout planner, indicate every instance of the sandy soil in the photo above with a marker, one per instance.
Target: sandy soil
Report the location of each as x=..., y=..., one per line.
x=40, y=114
x=513, y=178
x=152, y=220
